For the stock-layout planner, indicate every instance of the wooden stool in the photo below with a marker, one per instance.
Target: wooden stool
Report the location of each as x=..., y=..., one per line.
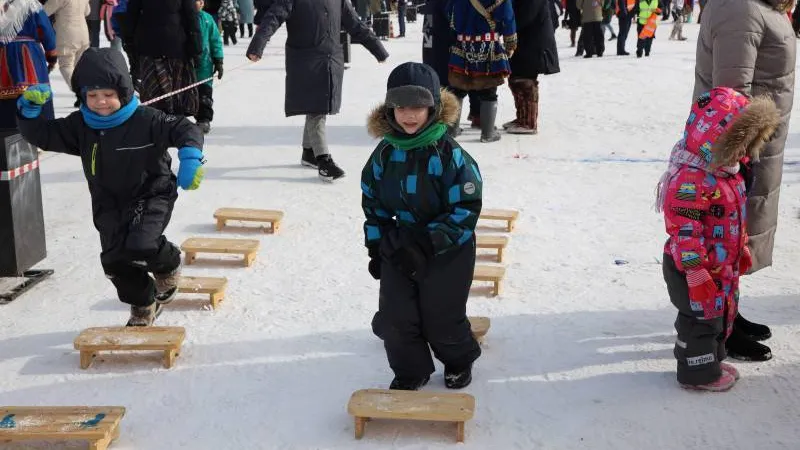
x=215, y=287
x=508, y=215
x=97, y=424
x=166, y=339
x=492, y=274
x=223, y=215
x=479, y=326
x=246, y=247
x=498, y=243
x=369, y=404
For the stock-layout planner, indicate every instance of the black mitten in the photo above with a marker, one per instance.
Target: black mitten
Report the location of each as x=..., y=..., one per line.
x=375, y=262
x=408, y=251
x=218, y=67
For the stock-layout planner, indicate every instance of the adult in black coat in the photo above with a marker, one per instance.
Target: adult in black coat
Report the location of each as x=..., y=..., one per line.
x=166, y=41
x=536, y=55
x=314, y=65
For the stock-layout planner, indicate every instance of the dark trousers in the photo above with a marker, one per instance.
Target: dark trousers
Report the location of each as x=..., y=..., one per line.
x=94, y=32
x=593, y=39
x=415, y=315
x=484, y=95
x=666, y=9
x=132, y=277
x=249, y=30
x=643, y=44
x=401, y=19
x=229, y=32
x=700, y=345
x=206, y=111
x=624, y=23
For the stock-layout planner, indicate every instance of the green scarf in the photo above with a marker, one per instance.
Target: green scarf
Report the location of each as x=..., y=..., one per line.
x=430, y=135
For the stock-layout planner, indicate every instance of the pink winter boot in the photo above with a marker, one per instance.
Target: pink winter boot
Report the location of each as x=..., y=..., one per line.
x=729, y=369
x=723, y=383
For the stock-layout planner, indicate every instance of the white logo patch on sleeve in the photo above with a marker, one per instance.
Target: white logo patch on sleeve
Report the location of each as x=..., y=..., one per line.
x=469, y=188
x=700, y=360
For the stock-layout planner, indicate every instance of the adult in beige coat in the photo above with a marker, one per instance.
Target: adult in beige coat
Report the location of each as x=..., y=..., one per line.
x=749, y=45
x=72, y=33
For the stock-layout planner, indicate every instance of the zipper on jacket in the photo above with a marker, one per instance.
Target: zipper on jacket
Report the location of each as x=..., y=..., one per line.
x=94, y=159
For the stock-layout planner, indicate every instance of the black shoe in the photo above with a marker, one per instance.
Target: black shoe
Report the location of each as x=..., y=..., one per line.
x=647, y=54
x=587, y=56
x=205, y=127
x=308, y=159
x=623, y=53
x=740, y=347
x=408, y=384
x=457, y=378
x=612, y=37
x=754, y=331
x=328, y=170
x=638, y=53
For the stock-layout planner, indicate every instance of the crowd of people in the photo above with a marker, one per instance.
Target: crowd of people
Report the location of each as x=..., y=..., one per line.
x=719, y=194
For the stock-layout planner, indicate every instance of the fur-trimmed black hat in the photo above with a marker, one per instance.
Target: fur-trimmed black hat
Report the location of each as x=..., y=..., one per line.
x=413, y=84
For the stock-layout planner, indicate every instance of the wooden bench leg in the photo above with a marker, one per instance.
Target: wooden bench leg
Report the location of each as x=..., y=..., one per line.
x=220, y=224
x=511, y=224
x=86, y=359
x=459, y=431
x=500, y=254
x=169, y=358
x=102, y=444
x=360, y=422
x=190, y=257
x=216, y=298
x=275, y=227
x=115, y=433
x=249, y=258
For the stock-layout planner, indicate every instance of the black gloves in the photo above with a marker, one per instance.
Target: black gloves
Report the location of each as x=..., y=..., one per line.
x=218, y=67
x=408, y=251
x=375, y=262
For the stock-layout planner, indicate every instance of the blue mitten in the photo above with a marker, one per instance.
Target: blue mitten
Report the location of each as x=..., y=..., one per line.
x=31, y=101
x=190, y=170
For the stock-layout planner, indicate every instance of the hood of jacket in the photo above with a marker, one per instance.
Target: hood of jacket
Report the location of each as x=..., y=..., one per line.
x=378, y=124
x=103, y=68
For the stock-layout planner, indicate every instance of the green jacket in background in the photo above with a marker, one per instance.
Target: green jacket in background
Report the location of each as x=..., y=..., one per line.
x=212, y=46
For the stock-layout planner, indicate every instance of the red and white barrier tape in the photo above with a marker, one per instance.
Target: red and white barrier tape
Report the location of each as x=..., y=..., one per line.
x=9, y=175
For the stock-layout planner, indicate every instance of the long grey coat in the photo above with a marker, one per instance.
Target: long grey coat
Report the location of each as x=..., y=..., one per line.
x=246, y=11
x=749, y=45
x=314, y=55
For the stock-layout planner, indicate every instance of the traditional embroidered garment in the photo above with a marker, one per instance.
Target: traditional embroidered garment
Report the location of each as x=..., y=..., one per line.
x=478, y=60
x=161, y=76
x=27, y=43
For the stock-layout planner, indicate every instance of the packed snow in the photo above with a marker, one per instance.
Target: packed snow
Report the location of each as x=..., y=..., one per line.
x=579, y=354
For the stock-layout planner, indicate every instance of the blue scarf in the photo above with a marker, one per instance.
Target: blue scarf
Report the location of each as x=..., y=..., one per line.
x=98, y=122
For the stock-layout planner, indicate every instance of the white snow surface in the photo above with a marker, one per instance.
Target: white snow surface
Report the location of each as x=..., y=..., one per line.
x=579, y=354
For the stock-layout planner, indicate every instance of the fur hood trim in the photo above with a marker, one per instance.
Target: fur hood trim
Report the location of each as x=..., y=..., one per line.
x=748, y=133
x=378, y=125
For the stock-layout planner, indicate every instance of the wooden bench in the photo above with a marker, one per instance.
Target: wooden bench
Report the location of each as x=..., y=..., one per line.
x=369, y=404
x=508, y=215
x=492, y=274
x=223, y=215
x=480, y=326
x=97, y=424
x=498, y=243
x=246, y=247
x=215, y=287
x=166, y=339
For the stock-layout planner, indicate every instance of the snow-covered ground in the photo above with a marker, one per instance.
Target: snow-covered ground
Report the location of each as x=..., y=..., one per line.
x=579, y=355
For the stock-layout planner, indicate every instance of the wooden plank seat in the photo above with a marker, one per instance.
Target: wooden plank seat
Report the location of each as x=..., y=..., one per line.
x=510, y=216
x=213, y=286
x=369, y=404
x=99, y=425
x=246, y=247
x=498, y=243
x=492, y=274
x=223, y=215
x=479, y=326
x=166, y=339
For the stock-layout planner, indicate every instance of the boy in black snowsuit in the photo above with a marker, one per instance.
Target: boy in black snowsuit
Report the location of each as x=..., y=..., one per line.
x=123, y=148
x=421, y=198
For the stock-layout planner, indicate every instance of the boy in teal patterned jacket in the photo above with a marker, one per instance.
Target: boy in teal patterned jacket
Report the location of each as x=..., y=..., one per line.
x=210, y=62
x=421, y=198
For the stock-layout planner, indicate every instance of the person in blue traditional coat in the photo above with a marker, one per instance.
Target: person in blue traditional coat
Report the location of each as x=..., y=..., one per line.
x=478, y=59
x=27, y=55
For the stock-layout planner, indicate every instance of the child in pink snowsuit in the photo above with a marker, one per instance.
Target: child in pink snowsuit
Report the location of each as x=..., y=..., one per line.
x=703, y=196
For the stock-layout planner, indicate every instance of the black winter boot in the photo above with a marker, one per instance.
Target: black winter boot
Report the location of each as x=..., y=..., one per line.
x=144, y=316
x=740, y=346
x=328, y=170
x=408, y=384
x=308, y=159
x=455, y=378
x=488, y=116
x=754, y=331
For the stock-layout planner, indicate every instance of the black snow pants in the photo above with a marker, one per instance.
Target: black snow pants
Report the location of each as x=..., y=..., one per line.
x=135, y=246
x=643, y=45
x=700, y=345
x=433, y=312
x=593, y=39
